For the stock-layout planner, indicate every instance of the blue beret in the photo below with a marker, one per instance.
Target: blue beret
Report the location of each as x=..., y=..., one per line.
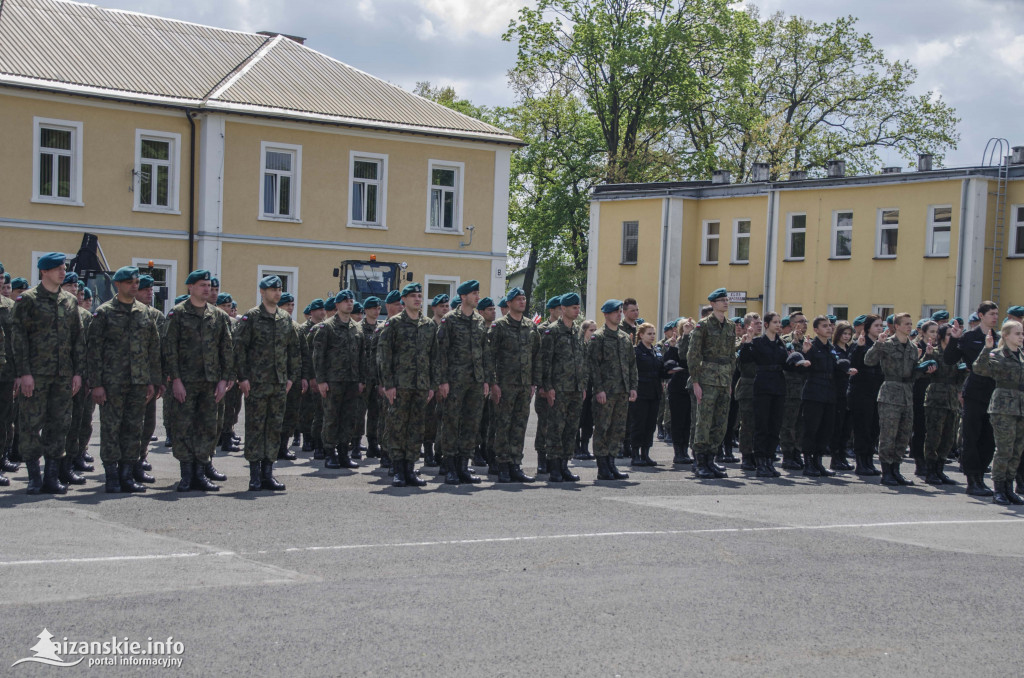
x=669, y=326
x=503, y=303
x=892, y=316
x=196, y=276
x=19, y=284
x=611, y=306
x=306, y=310
x=720, y=293
x=316, y=305
x=124, y=273
x=394, y=296
x=959, y=321
x=439, y=299
x=554, y=302
x=371, y=302
x=87, y=293
x=785, y=321
x=70, y=278
x=486, y=302
x=287, y=298
x=51, y=260
x=214, y=282
x=145, y=282
x=412, y=288
x=940, y=315
x=738, y=321
x=832, y=318
x=223, y=299
x=974, y=317
x=344, y=295
x=357, y=307
x=468, y=286
x=271, y=281
x=570, y=299
x=513, y=293
x=330, y=304
x=1016, y=311
x=859, y=320
x=180, y=298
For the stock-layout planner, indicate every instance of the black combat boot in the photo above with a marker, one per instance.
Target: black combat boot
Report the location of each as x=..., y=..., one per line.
x=920, y=467
x=144, y=460
x=372, y=448
x=542, y=462
x=385, y=459
x=227, y=444
x=478, y=456
x=8, y=466
x=412, y=479
x=344, y=458
x=680, y=455
x=297, y=440
x=895, y=468
x=168, y=443
x=668, y=436
x=88, y=457
x=973, y=489
x=35, y=476
x=255, y=476
x=334, y=458
x=51, y=477
x=940, y=471
x=719, y=471
x=636, y=456
x=839, y=462
x=4, y=480
x=568, y=475
x=769, y=462
x=727, y=457
x=616, y=473
x=504, y=474
x=212, y=473
x=464, y=475
x=701, y=468
x=515, y=472
x=603, y=473
x=887, y=476
x=999, y=493
x=555, y=471
x=661, y=432
x=66, y=472
x=356, y=449
x=583, y=450
x=1014, y=498
x=318, y=448
x=762, y=468
x=450, y=466
x=125, y=472
x=932, y=472
x=269, y=482
x=869, y=461
x=645, y=457
x=112, y=484
x=80, y=464
x=979, y=484
x=791, y=462
x=397, y=473
x=187, y=473
x=748, y=462
x=139, y=473
x=201, y=480
x=822, y=471
x=307, y=443
x=283, y=452
x=429, y=459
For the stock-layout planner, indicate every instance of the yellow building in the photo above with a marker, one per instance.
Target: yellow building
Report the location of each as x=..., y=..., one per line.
x=245, y=154
x=915, y=242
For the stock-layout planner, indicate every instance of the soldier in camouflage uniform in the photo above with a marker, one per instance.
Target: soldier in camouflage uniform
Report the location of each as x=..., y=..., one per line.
x=711, y=357
x=124, y=370
x=82, y=407
x=564, y=376
x=311, y=400
x=440, y=306
x=898, y=358
x=268, y=363
x=484, y=453
x=406, y=353
x=463, y=368
x=613, y=376
x=7, y=376
x=145, y=296
x=371, y=404
x=392, y=307
x=540, y=404
x=199, y=360
x=941, y=404
x=745, y=397
x=321, y=451
x=515, y=347
x=290, y=422
x=49, y=355
x=4, y=409
x=231, y=406
x=339, y=362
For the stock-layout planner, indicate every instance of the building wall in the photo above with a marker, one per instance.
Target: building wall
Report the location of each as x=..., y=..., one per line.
x=617, y=280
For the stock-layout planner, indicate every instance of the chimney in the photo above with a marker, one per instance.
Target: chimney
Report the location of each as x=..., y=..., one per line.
x=924, y=162
x=274, y=34
x=836, y=168
x=797, y=175
x=891, y=170
x=721, y=177
x=1018, y=155
x=759, y=171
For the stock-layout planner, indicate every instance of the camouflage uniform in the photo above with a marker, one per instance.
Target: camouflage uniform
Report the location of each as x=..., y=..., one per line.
x=745, y=402
x=197, y=351
x=123, y=359
x=564, y=369
x=267, y=355
x=310, y=400
x=515, y=347
x=612, y=371
x=293, y=401
x=791, y=433
x=1005, y=409
x=941, y=404
x=7, y=377
x=82, y=406
x=339, y=360
x=540, y=406
x=229, y=407
x=464, y=363
x=49, y=344
x=711, y=357
x=896, y=397
x=368, y=407
x=149, y=416
x=405, y=357
x=317, y=403
x=382, y=403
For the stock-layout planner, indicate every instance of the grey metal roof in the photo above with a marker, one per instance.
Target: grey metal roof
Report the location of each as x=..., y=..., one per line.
x=61, y=45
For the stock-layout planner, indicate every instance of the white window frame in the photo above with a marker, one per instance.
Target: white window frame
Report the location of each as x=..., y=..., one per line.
x=622, y=256
x=705, y=237
x=789, y=235
x=76, y=129
x=877, y=309
x=928, y=309
x=382, y=190
x=832, y=307
x=263, y=270
x=1016, y=230
x=460, y=181
x=736, y=236
x=454, y=281
x=296, y=174
x=835, y=234
x=173, y=171
x=34, y=267
x=879, y=229
x=172, y=274
x=788, y=309
x=932, y=224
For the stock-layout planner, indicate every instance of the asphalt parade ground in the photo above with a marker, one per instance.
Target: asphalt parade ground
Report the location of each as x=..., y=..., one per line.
x=660, y=575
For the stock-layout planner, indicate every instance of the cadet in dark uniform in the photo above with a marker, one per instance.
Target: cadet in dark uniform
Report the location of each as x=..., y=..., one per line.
x=1004, y=364
x=678, y=393
x=564, y=381
x=614, y=380
x=711, y=357
x=769, y=355
x=823, y=369
x=790, y=437
x=339, y=360
x=650, y=369
x=941, y=404
x=863, y=396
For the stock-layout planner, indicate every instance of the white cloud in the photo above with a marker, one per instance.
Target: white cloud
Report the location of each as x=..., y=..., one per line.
x=425, y=29
x=366, y=10
x=1012, y=54
x=463, y=17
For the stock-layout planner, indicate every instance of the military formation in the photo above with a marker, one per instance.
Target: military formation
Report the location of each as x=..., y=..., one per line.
x=452, y=383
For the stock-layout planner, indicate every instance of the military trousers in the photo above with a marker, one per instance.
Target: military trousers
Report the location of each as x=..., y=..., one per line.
x=148, y=426
x=609, y=423
x=372, y=412
x=895, y=426
x=748, y=424
x=790, y=438
x=264, y=416
x=405, y=424
x=940, y=433
x=679, y=404
x=460, y=425
x=168, y=408
x=292, y=403
x=340, y=411
x=432, y=422
x=563, y=420
x=80, y=430
x=361, y=407
x=509, y=424
x=232, y=408
x=978, y=436
x=864, y=414
x=194, y=422
x=121, y=420
x=712, y=419
x=540, y=406
x=1009, y=434
x=382, y=419
x=7, y=411
x=44, y=419
x=318, y=417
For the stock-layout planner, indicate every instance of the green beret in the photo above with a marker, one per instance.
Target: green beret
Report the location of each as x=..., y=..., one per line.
x=287, y=298
x=570, y=299
x=330, y=304
x=832, y=319
x=70, y=278
x=145, y=282
x=223, y=299
x=316, y=305
x=1016, y=311
x=859, y=320
x=180, y=298
x=51, y=260
x=123, y=274
x=738, y=321
x=234, y=304
x=81, y=284
x=939, y=316
x=2, y=269
x=412, y=288
x=371, y=302
x=468, y=286
x=720, y=293
x=959, y=321
x=306, y=310
x=485, y=303
x=503, y=303
x=892, y=316
x=394, y=296
x=611, y=306
x=785, y=321
x=344, y=295
x=196, y=276
x=973, y=318
x=214, y=282
x=512, y=294
x=357, y=307
x=920, y=322
x=19, y=284
x=554, y=302
x=669, y=326
x=439, y=299
x=268, y=282
x=87, y=293
x=7, y=278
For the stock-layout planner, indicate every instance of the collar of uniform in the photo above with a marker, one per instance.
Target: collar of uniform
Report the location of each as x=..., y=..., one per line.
x=43, y=293
x=195, y=310
x=267, y=314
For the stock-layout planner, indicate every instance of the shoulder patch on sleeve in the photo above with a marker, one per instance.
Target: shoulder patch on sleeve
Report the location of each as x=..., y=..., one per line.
x=19, y=298
x=244, y=317
x=494, y=324
x=170, y=313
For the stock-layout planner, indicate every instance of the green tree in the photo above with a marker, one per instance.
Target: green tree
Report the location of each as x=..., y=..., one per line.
x=447, y=97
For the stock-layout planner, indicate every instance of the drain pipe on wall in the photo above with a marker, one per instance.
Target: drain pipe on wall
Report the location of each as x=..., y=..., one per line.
x=191, y=190
x=958, y=288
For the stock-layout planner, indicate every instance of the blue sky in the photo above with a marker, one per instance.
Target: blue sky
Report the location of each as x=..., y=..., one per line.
x=970, y=51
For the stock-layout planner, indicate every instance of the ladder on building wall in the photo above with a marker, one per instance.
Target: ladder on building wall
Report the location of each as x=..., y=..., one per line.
x=998, y=150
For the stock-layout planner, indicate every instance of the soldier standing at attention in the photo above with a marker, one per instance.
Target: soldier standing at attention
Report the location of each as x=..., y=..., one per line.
x=291, y=406
x=540, y=405
x=515, y=345
x=371, y=311
x=790, y=435
x=123, y=367
x=392, y=307
x=49, y=356
x=711, y=357
x=82, y=407
x=463, y=371
x=745, y=396
x=941, y=404
x=199, y=360
x=440, y=305
x=231, y=406
x=630, y=314
x=145, y=296
x=405, y=358
x=311, y=400
x=339, y=361
x=268, y=361
x=7, y=376
x=321, y=452
x=564, y=380
x=484, y=453
x=613, y=377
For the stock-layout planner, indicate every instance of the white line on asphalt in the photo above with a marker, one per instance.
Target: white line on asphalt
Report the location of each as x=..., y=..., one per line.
x=498, y=540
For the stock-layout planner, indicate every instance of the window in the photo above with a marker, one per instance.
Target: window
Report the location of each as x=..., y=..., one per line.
x=367, y=195
x=434, y=285
x=796, y=236
x=280, y=183
x=842, y=235
x=790, y=309
x=289, y=276
x=928, y=309
x=155, y=178
x=57, y=161
x=888, y=233
x=165, y=276
x=737, y=311
x=630, y=241
x=940, y=219
x=444, y=200
x=883, y=311
x=741, y=241
x=841, y=312
x=709, y=246
x=1017, y=231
